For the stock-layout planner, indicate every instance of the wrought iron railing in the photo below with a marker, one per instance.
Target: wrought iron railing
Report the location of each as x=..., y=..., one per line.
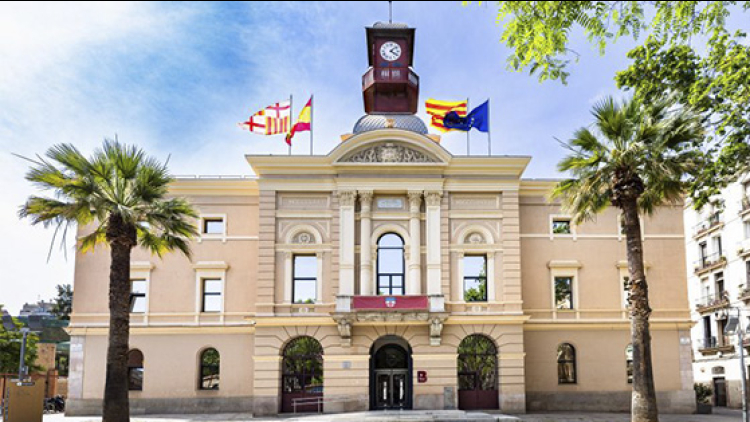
x=712, y=221
x=716, y=300
x=709, y=261
x=714, y=342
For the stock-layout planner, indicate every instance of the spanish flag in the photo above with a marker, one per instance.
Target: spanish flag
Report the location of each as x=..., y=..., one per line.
x=438, y=110
x=304, y=122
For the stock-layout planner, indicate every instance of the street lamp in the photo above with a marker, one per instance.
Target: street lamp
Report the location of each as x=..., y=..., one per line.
x=734, y=326
x=35, y=324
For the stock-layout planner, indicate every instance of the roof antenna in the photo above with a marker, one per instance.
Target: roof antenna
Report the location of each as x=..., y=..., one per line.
x=390, y=12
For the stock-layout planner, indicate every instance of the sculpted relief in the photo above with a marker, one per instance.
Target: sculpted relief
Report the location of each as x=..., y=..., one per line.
x=389, y=153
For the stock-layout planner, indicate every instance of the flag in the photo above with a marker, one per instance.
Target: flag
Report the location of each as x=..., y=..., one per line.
x=304, y=122
x=438, y=110
x=479, y=118
x=272, y=120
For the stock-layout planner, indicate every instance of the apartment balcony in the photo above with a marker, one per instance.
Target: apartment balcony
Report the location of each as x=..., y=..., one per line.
x=709, y=225
x=744, y=295
x=712, y=302
x=743, y=248
x=715, y=345
x=709, y=262
x=415, y=309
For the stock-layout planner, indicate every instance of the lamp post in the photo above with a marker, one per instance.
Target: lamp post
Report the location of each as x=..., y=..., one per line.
x=734, y=326
x=35, y=324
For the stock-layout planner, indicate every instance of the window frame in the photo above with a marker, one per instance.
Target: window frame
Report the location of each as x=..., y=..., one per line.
x=203, y=281
x=390, y=276
x=202, y=365
x=315, y=299
x=464, y=277
x=571, y=293
x=573, y=360
x=135, y=296
x=561, y=218
x=204, y=219
x=133, y=367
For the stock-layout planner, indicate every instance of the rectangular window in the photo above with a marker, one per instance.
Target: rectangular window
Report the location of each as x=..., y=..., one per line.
x=137, y=296
x=747, y=273
x=475, y=278
x=561, y=226
x=564, y=292
x=717, y=246
x=213, y=225
x=211, y=295
x=703, y=252
x=719, y=283
x=305, y=279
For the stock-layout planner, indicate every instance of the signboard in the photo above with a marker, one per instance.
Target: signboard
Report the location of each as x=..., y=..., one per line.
x=390, y=302
x=421, y=376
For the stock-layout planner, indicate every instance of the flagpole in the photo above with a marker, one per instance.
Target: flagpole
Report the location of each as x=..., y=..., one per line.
x=311, y=123
x=489, y=124
x=291, y=114
x=468, y=143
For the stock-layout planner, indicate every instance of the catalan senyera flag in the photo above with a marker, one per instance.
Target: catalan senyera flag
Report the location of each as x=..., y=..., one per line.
x=438, y=109
x=272, y=120
x=304, y=122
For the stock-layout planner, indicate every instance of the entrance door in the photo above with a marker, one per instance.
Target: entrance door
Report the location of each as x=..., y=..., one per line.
x=390, y=386
x=477, y=373
x=720, y=392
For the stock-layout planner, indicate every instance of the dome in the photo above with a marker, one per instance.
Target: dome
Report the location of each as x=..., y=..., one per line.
x=408, y=122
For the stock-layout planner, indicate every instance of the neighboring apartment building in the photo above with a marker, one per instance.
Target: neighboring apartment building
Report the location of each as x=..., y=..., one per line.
x=40, y=308
x=387, y=274
x=718, y=247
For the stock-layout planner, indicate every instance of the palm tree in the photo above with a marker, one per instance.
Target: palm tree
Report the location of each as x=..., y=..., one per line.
x=121, y=193
x=636, y=157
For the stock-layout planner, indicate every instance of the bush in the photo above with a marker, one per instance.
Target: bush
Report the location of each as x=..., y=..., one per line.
x=703, y=393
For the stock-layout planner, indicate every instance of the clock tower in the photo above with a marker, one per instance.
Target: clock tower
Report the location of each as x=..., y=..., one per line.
x=390, y=86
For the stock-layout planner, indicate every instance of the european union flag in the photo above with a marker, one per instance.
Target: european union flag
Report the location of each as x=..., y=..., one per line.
x=479, y=118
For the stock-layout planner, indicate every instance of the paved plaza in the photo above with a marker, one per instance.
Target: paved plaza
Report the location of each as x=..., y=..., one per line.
x=720, y=415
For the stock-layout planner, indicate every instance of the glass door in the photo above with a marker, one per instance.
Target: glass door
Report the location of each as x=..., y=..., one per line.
x=391, y=389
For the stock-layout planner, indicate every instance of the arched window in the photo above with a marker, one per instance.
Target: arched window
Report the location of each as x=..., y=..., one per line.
x=566, y=364
x=135, y=370
x=629, y=362
x=477, y=373
x=209, y=370
x=390, y=264
x=301, y=373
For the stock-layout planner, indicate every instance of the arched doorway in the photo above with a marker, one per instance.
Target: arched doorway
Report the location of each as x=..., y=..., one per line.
x=390, y=374
x=301, y=373
x=477, y=373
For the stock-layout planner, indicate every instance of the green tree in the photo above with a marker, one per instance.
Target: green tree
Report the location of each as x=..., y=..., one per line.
x=636, y=158
x=63, y=303
x=10, y=349
x=118, y=198
x=688, y=50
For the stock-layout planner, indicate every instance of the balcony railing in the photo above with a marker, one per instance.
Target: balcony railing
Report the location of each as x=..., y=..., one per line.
x=744, y=294
x=389, y=74
x=711, y=302
x=714, y=344
x=709, y=261
x=706, y=225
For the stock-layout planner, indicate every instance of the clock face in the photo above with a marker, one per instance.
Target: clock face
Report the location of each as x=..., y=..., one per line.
x=390, y=51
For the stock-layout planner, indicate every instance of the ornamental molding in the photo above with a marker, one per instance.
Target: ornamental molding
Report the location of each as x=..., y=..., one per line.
x=433, y=198
x=389, y=153
x=347, y=198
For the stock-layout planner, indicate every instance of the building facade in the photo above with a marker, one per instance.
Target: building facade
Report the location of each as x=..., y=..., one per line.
x=387, y=274
x=718, y=257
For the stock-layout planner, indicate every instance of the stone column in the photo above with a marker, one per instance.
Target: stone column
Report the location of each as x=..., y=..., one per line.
x=490, y=277
x=432, y=199
x=414, y=282
x=288, y=270
x=319, y=284
x=365, y=248
x=346, y=242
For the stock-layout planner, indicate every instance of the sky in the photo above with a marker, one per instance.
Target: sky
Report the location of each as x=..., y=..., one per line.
x=176, y=78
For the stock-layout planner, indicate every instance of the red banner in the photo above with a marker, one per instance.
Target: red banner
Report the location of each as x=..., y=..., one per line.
x=390, y=302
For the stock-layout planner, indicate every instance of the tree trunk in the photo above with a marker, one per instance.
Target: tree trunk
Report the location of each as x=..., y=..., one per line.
x=643, y=404
x=116, y=403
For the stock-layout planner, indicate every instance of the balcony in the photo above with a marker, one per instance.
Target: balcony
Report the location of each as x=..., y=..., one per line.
x=711, y=224
x=744, y=295
x=714, y=345
x=416, y=309
x=709, y=262
x=712, y=302
x=745, y=206
x=389, y=75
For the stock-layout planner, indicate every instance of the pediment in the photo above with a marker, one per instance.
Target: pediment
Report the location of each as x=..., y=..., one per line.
x=389, y=153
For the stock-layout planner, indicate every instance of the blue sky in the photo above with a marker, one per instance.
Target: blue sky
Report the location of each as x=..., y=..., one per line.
x=176, y=78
